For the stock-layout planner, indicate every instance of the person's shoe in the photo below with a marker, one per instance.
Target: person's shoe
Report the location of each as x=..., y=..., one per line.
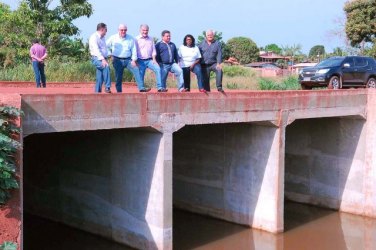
x=187, y=90
x=145, y=90
x=108, y=91
x=182, y=90
x=202, y=90
x=162, y=90
x=220, y=89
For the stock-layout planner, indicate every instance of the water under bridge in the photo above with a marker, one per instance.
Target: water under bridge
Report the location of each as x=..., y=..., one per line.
x=116, y=164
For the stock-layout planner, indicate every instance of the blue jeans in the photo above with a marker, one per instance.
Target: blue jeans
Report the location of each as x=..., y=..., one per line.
x=119, y=65
x=144, y=64
x=173, y=68
x=38, y=68
x=102, y=75
x=187, y=76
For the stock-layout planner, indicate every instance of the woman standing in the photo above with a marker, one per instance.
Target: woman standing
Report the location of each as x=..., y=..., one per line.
x=190, y=61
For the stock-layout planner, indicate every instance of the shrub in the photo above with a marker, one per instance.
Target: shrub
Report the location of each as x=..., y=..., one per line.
x=289, y=83
x=232, y=85
x=8, y=246
x=8, y=148
x=233, y=71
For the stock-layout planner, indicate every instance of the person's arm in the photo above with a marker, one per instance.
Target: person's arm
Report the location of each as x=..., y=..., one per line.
x=44, y=56
x=94, y=48
x=154, y=54
x=109, y=45
x=200, y=46
x=158, y=53
x=219, y=56
x=176, y=56
x=134, y=52
x=198, y=55
x=32, y=55
x=180, y=55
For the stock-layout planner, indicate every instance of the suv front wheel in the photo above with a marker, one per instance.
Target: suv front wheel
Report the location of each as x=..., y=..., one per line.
x=371, y=83
x=305, y=87
x=333, y=82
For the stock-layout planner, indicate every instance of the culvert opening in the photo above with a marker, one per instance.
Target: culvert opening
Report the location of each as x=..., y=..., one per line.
x=324, y=161
x=218, y=171
x=97, y=181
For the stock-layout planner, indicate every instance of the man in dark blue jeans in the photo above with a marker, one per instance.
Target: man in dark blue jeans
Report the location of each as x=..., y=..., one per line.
x=211, y=60
x=38, y=53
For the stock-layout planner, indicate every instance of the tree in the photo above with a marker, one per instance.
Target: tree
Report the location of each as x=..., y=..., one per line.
x=293, y=51
x=361, y=19
x=16, y=32
x=37, y=19
x=243, y=49
x=317, y=51
x=337, y=52
x=371, y=51
x=274, y=48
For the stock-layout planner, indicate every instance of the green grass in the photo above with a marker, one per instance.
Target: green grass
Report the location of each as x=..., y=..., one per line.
x=288, y=83
x=58, y=72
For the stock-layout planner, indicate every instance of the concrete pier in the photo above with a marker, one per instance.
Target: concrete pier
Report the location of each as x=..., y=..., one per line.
x=115, y=165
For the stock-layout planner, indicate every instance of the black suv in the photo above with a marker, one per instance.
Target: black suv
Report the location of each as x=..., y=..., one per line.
x=340, y=72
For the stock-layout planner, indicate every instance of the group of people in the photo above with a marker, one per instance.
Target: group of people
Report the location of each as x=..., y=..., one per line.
x=139, y=53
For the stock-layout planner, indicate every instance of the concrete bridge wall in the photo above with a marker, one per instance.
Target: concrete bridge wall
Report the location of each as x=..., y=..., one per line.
x=230, y=171
x=325, y=162
x=108, y=182
x=133, y=155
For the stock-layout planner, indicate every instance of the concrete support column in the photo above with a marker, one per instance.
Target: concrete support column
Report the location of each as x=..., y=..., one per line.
x=147, y=193
x=232, y=172
x=370, y=158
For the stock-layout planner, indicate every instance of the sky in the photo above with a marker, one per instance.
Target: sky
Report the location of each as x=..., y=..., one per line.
x=304, y=22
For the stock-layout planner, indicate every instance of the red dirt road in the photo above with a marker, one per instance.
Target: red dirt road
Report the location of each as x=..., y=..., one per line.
x=10, y=219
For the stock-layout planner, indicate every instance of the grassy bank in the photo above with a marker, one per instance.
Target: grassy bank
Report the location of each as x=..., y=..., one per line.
x=234, y=77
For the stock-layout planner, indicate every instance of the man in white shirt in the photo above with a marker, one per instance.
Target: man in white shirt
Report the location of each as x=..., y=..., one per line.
x=124, y=55
x=99, y=54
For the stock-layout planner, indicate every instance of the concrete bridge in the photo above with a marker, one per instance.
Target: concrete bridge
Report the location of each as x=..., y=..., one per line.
x=115, y=165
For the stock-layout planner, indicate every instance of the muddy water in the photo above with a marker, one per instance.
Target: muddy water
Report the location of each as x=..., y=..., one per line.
x=307, y=228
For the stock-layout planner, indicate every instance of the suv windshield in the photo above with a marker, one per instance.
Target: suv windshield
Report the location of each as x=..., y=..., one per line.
x=331, y=62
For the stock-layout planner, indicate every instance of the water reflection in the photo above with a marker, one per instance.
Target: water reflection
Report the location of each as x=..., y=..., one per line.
x=307, y=228
x=41, y=234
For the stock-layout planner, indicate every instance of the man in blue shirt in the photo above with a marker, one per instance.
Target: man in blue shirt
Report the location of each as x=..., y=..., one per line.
x=124, y=55
x=167, y=57
x=211, y=60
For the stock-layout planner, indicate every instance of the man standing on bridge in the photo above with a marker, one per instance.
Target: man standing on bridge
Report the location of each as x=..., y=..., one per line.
x=124, y=55
x=211, y=52
x=99, y=54
x=146, y=54
x=38, y=53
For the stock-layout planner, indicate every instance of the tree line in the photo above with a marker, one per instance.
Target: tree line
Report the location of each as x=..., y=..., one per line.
x=54, y=27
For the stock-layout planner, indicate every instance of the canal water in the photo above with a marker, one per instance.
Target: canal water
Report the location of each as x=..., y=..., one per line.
x=307, y=228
